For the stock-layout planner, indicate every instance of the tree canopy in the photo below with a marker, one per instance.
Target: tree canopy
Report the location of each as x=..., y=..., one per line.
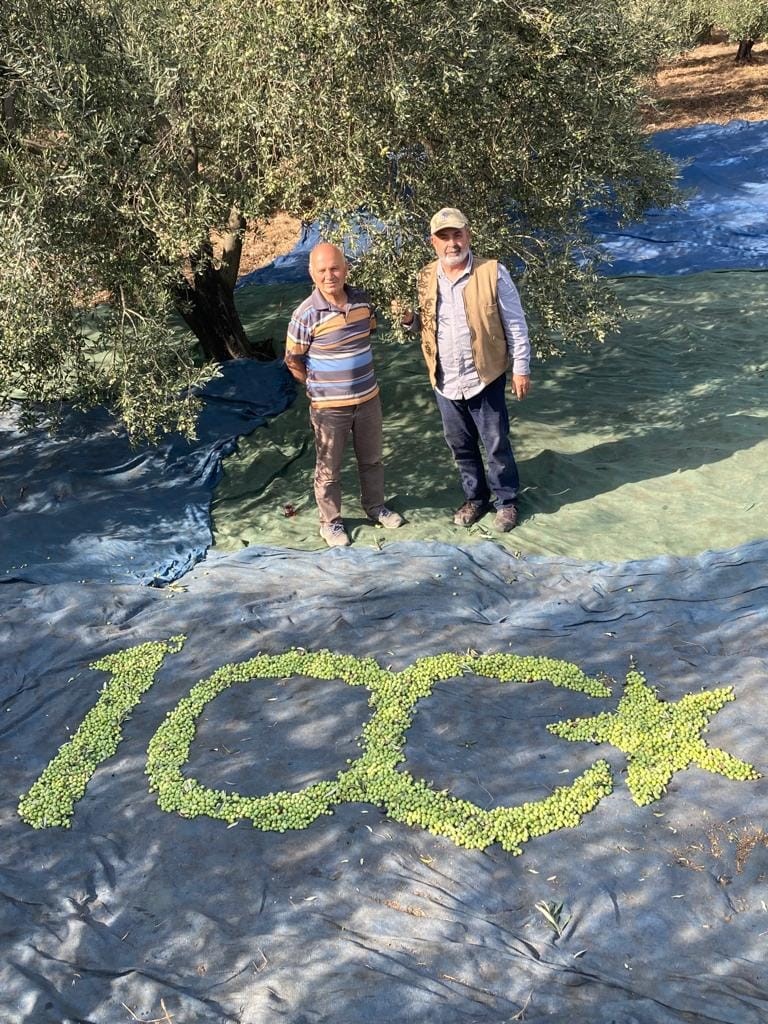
x=131, y=130
x=676, y=26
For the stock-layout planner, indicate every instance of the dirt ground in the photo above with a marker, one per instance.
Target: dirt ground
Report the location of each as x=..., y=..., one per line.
x=264, y=241
x=704, y=84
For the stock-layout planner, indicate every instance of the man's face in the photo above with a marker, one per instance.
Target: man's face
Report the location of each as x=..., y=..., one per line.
x=328, y=269
x=452, y=246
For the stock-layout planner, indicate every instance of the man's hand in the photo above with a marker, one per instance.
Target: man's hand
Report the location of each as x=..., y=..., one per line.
x=401, y=312
x=521, y=385
x=297, y=368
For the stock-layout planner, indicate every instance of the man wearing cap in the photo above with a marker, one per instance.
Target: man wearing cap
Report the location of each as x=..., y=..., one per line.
x=472, y=331
x=328, y=349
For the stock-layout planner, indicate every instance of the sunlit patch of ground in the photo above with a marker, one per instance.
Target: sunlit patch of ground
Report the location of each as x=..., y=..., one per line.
x=706, y=84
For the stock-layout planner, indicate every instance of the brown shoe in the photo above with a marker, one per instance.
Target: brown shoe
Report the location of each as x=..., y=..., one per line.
x=505, y=519
x=470, y=512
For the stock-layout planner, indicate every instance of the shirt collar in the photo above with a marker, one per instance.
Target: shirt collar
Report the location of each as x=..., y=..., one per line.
x=319, y=301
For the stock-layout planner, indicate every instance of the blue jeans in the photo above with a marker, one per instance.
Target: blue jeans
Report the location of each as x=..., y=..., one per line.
x=482, y=419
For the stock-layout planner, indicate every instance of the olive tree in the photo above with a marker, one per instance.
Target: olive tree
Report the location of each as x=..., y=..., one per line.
x=131, y=131
x=123, y=145
x=743, y=20
x=675, y=26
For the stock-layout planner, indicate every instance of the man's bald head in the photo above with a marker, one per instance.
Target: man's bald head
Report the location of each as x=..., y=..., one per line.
x=328, y=269
x=324, y=251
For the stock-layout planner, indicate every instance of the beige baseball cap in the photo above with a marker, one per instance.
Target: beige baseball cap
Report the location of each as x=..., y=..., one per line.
x=448, y=217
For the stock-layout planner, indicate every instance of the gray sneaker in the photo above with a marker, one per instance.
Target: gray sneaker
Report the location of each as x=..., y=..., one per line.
x=386, y=517
x=334, y=534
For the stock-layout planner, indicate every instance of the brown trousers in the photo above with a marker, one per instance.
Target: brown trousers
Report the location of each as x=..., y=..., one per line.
x=332, y=427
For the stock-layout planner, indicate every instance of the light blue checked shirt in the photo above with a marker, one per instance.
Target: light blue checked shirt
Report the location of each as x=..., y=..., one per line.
x=457, y=375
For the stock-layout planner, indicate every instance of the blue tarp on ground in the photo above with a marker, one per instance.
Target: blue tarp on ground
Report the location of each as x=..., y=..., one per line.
x=84, y=505
x=358, y=918
x=722, y=226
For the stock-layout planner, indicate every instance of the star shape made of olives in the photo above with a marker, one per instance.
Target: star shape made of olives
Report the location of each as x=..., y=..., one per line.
x=659, y=738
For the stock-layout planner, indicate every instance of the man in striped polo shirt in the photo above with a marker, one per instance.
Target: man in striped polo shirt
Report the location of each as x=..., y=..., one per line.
x=328, y=349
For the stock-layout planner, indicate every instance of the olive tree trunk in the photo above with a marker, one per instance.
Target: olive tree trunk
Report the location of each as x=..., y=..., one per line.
x=744, y=55
x=206, y=301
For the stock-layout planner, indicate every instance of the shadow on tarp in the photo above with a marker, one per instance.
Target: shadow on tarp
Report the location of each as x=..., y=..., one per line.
x=653, y=443
x=83, y=504
x=358, y=918
x=723, y=225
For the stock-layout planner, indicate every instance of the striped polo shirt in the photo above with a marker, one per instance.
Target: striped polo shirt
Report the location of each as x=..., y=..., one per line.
x=334, y=343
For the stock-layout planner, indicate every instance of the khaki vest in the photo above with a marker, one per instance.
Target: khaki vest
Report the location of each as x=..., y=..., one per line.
x=489, y=345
